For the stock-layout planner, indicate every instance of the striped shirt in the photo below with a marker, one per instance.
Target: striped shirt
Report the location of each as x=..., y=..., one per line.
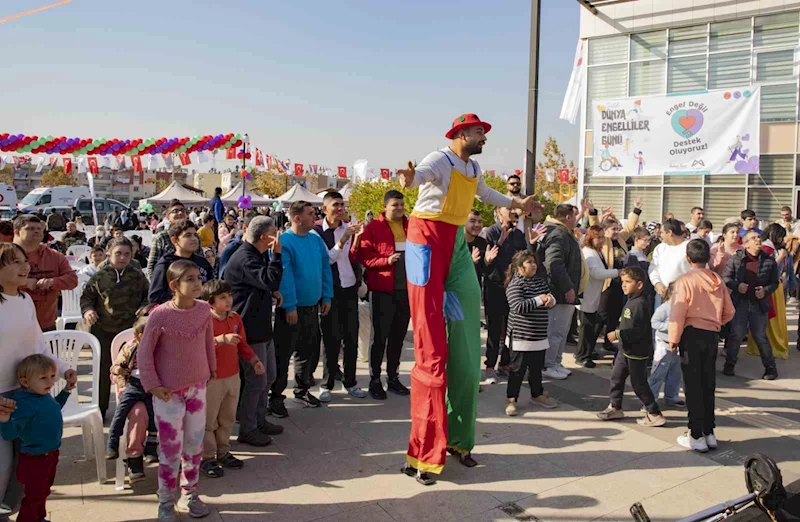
x=527, y=318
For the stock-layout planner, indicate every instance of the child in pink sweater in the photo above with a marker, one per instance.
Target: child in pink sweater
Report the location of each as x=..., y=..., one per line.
x=176, y=359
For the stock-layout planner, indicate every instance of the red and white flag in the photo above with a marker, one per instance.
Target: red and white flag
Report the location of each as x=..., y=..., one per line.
x=94, y=168
x=298, y=169
x=53, y=161
x=137, y=163
x=313, y=168
x=491, y=172
x=185, y=159
x=572, y=98
x=342, y=171
x=563, y=175
x=384, y=173
x=230, y=153
x=259, y=158
x=268, y=161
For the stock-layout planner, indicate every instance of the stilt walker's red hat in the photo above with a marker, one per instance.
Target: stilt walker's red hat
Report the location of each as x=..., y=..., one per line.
x=466, y=120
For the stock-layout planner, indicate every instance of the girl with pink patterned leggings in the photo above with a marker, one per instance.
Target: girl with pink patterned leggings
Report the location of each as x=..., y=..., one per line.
x=176, y=360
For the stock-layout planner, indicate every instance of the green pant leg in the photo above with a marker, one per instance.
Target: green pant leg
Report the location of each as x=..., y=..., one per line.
x=464, y=349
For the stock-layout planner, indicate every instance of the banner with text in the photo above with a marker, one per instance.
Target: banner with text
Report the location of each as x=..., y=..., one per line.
x=714, y=132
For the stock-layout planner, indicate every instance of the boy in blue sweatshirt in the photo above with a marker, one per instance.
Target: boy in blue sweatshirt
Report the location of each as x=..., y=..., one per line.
x=307, y=290
x=37, y=422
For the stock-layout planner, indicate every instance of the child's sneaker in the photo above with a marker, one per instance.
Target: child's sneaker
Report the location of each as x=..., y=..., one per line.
x=545, y=401
x=651, y=420
x=511, y=407
x=553, y=374
x=687, y=441
x=166, y=513
x=193, y=504
x=136, y=469
x=112, y=453
x=211, y=469
x=229, y=461
x=491, y=376
x=610, y=413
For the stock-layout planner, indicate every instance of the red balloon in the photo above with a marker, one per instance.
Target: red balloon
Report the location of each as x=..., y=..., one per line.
x=238, y=143
x=240, y=155
x=248, y=155
x=33, y=138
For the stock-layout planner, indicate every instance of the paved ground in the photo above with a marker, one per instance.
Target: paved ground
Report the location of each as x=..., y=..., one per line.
x=341, y=462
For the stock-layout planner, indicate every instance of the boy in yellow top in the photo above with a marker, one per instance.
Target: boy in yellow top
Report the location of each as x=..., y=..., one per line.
x=206, y=232
x=441, y=276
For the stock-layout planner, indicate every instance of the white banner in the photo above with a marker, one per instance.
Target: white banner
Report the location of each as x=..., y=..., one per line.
x=714, y=132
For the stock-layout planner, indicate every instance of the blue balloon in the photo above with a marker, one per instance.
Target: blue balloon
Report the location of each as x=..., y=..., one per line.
x=62, y=146
x=20, y=136
x=115, y=147
x=102, y=153
x=49, y=151
x=12, y=139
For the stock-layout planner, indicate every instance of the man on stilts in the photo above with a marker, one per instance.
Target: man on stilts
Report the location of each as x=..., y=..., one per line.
x=442, y=283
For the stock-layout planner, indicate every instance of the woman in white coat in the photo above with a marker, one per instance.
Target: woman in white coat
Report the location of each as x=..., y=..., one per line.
x=593, y=243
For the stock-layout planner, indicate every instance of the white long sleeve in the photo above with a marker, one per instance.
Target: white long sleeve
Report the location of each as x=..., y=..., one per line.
x=669, y=263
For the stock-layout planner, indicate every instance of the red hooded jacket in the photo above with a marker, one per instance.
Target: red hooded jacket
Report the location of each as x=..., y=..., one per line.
x=377, y=245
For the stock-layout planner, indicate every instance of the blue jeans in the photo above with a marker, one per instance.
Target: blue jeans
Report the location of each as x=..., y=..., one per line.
x=133, y=393
x=668, y=373
x=749, y=315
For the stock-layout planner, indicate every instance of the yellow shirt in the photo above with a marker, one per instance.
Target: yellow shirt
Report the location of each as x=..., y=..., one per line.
x=397, y=230
x=206, y=237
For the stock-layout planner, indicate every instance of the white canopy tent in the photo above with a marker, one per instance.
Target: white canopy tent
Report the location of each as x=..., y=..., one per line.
x=256, y=199
x=346, y=191
x=176, y=191
x=299, y=193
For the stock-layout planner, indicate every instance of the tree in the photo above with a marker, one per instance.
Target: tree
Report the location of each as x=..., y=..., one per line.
x=161, y=185
x=554, y=159
x=269, y=183
x=7, y=175
x=55, y=177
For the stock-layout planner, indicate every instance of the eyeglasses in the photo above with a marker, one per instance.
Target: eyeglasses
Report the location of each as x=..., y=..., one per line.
x=177, y=211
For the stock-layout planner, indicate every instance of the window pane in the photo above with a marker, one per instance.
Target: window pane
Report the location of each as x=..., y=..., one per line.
x=648, y=45
x=588, y=179
x=680, y=200
x=722, y=203
x=688, y=40
x=651, y=208
x=608, y=50
x=775, y=66
x=603, y=197
x=778, y=103
x=779, y=29
x=647, y=78
x=683, y=180
x=728, y=36
x=729, y=70
x=725, y=180
x=767, y=205
x=643, y=180
x=687, y=74
x=606, y=82
x=775, y=170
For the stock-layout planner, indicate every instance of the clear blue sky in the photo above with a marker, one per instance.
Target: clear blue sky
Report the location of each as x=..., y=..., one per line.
x=324, y=82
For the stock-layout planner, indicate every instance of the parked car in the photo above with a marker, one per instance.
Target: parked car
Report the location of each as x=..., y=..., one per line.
x=103, y=206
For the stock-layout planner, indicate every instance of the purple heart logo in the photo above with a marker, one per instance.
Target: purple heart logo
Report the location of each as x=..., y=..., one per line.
x=746, y=137
x=747, y=167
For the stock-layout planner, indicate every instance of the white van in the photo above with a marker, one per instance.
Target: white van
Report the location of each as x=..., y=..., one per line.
x=43, y=197
x=8, y=196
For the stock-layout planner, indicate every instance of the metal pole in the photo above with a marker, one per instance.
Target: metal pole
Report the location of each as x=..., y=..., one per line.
x=533, y=94
x=245, y=141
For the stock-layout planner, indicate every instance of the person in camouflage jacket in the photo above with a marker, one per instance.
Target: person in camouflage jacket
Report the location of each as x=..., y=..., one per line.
x=109, y=303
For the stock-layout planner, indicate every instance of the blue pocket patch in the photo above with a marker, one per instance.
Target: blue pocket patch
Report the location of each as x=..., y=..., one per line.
x=418, y=263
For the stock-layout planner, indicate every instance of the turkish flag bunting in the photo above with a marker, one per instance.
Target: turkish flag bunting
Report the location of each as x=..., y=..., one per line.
x=185, y=159
x=342, y=172
x=563, y=175
x=53, y=161
x=259, y=158
x=67, y=162
x=137, y=163
x=268, y=162
x=230, y=153
x=385, y=173
x=94, y=168
x=298, y=169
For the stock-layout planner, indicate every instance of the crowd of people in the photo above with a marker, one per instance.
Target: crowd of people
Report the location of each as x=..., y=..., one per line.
x=659, y=297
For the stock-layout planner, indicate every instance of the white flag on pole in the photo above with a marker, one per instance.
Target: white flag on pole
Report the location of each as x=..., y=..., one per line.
x=3, y=160
x=202, y=157
x=572, y=98
x=40, y=164
x=82, y=166
x=361, y=170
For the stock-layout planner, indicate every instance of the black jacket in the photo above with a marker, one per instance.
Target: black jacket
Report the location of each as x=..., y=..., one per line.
x=159, y=289
x=252, y=281
x=515, y=242
x=560, y=254
x=736, y=270
x=635, y=331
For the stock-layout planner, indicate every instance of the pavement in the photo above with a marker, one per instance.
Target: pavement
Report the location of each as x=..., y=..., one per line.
x=342, y=462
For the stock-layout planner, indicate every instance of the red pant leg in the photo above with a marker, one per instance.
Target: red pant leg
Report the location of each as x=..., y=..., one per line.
x=429, y=250
x=37, y=474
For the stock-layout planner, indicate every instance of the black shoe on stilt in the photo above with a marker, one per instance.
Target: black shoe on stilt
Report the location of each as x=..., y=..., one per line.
x=464, y=458
x=423, y=478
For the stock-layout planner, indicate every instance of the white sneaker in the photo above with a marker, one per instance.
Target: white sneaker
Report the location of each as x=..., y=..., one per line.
x=560, y=368
x=553, y=373
x=325, y=395
x=711, y=441
x=355, y=391
x=690, y=443
x=491, y=376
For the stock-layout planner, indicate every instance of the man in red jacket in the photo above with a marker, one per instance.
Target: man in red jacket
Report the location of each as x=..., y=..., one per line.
x=382, y=252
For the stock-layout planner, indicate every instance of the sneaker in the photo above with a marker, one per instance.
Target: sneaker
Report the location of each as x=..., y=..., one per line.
x=511, y=407
x=560, y=368
x=136, y=469
x=728, y=370
x=589, y=363
x=711, y=441
x=770, y=375
x=422, y=477
x=395, y=386
x=230, y=462
x=553, y=373
x=355, y=391
x=195, y=506
x=112, y=453
x=545, y=401
x=376, y=390
x=211, y=469
x=270, y=429
x=687, y=441
x=307, y=400
x=166, y=513
x=491, y=376
x=5, y=509
x=325, y=395
x=675, y=404
x=255, y=438
x=278, y=410
x=610, y=413
x=651, y=420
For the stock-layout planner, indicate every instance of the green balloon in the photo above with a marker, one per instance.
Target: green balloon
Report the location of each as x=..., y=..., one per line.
x=139, y=147
x=39, y=142
x=237, y=138
x=49, y=138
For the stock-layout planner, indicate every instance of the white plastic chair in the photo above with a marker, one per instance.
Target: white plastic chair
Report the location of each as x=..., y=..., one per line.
x=121, y=339
x=67, y=346
x=78, y=250
x=71, y=304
